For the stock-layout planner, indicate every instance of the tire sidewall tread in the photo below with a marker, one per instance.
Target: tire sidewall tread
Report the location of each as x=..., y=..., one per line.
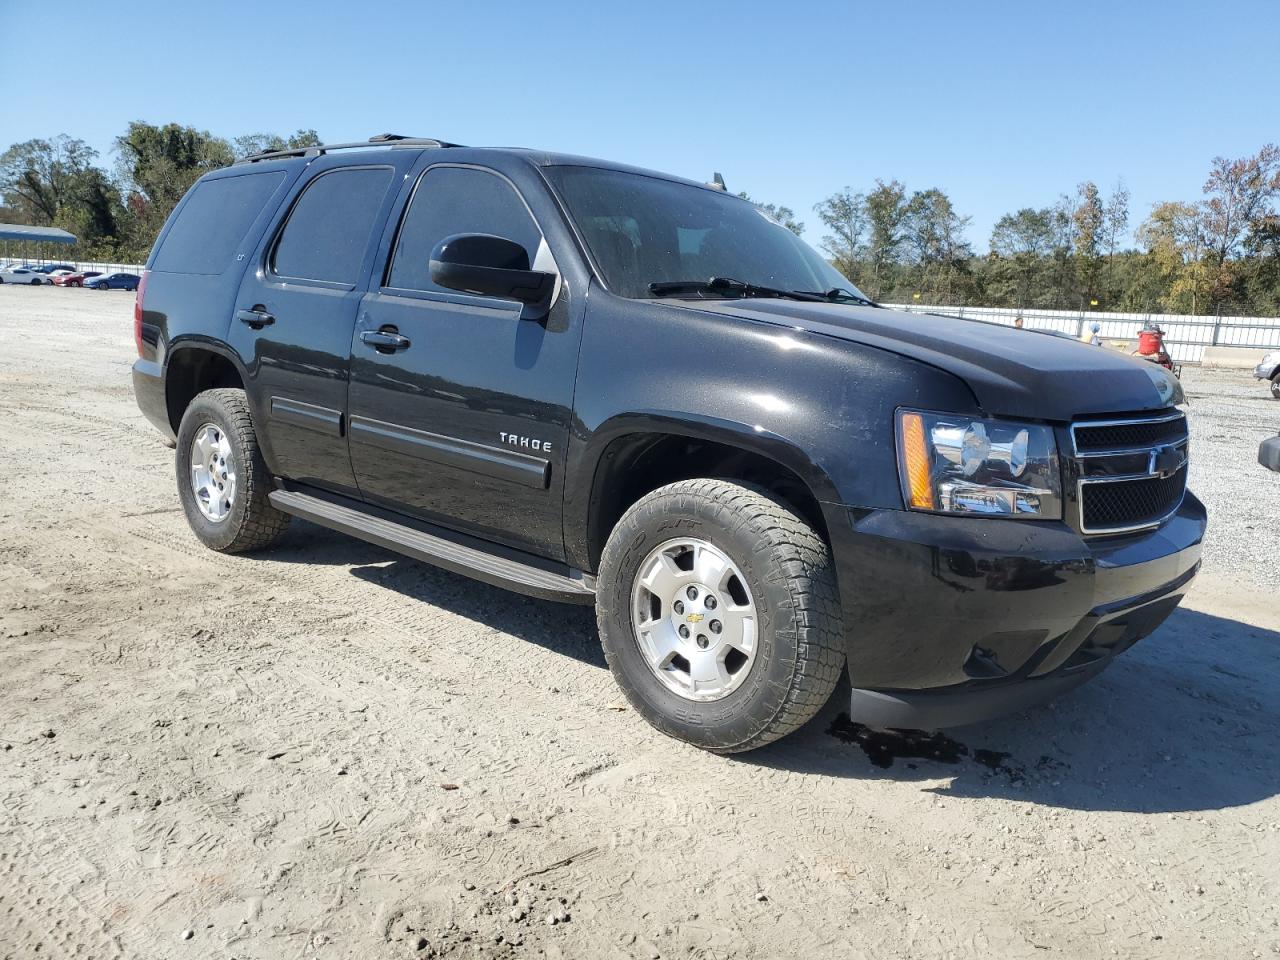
x=252, y=523
x=799, y=653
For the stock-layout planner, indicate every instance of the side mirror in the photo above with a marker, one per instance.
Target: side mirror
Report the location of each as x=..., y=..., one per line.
x=490, y=266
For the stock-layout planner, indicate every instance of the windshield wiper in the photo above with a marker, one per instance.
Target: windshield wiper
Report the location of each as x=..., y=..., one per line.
x=728, y=287
x=840, y=295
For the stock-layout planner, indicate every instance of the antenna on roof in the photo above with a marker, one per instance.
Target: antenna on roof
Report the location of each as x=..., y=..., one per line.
x=717, y=183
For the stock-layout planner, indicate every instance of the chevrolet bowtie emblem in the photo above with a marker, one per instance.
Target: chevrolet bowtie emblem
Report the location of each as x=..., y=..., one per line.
x=694, y=618
x=1165, y=461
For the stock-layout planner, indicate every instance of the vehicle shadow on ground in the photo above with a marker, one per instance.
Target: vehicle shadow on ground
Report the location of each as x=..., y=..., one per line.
x=562, y=628
x=1184, y=721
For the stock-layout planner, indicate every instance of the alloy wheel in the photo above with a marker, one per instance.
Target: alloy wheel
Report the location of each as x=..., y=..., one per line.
x=213, y=472
x=694, y=619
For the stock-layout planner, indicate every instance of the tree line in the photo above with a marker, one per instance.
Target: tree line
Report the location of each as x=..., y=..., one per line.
x=1216, y=254
x=116, y=214
x=1219, y=253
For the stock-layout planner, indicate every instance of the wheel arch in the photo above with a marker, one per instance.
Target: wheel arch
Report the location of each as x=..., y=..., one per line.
x=636, y=454
x=193, y=366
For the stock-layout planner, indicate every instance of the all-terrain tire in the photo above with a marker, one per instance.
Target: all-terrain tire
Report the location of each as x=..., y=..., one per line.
x=252, y=523
x=1275, y=386
x=799, y=636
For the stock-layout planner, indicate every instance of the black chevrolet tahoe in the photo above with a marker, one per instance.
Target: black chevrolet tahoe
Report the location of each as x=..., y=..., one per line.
x=604, y=385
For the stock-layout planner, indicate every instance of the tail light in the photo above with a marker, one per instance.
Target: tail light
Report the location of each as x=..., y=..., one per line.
x=137, y=310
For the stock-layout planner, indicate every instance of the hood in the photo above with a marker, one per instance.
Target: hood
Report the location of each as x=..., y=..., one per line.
x=1013, y=373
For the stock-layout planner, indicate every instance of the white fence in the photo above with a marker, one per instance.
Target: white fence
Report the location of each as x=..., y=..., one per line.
x=1185, y=336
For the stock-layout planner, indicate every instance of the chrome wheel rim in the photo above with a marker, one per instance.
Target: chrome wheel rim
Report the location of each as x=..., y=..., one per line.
x=213, y=472
x=694, y=619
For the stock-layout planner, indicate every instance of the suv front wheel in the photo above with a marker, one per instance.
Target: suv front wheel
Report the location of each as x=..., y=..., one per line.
x=719, y=615
x=222, y=479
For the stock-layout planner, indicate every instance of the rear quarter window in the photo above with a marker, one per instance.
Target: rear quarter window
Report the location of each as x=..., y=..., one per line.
x=213, y=221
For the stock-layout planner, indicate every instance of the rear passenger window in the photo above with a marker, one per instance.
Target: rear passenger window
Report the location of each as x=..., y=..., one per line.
x=328, y=230
x=213, y=221
x=451, y=200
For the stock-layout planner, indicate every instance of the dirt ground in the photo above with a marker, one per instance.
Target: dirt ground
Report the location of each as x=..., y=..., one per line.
x=328, y=751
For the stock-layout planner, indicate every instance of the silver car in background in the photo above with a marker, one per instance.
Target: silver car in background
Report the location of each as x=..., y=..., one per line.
x=1269, y=369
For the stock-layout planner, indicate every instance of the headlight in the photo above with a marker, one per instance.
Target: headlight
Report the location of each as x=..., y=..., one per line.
x=999, y=468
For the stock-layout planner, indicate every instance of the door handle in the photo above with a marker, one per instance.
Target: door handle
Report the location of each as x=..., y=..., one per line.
x=385, y=341
x=256, y=318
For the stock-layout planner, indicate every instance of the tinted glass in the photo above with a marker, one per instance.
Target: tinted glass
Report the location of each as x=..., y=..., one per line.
x=452, y=200
x=213, y=221
x=328, y=230
x=644, y=230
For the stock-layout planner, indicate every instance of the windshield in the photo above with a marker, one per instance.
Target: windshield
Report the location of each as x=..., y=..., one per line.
x=644, y=230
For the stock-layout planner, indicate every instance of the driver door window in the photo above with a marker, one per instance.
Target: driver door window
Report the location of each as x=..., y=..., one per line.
x=451, y=200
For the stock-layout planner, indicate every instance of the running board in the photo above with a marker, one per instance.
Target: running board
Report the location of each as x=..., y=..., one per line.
x=468, y=556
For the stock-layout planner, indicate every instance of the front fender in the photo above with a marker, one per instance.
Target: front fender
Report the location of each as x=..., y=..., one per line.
x=821, y=407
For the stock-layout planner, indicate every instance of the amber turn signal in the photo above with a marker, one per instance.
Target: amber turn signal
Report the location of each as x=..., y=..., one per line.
x=915, y=461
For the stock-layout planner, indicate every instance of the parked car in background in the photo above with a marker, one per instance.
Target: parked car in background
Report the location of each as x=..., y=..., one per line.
x=114, y=281
x=47, y=270
x=22, y=274
x=76, y=279
x=53, y=275
x=1269, y=369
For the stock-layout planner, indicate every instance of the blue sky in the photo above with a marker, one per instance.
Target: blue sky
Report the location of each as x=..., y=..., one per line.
x=1003, y=105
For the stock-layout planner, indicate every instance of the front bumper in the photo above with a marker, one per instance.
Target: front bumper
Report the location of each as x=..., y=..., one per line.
x=1264, y=371
x=953, y=620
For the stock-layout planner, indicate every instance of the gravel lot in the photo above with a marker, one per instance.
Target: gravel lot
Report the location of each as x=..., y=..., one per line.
x=329, y=751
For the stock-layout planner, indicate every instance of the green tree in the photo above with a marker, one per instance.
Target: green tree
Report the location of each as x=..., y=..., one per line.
x=161, y=163
x=94, y=214
x=39, y=178
x=1088, y=221
x=1262, y=276
x=1240, y=193
x=1115, y=223
x=886, y=211
x=1174, y=238
x=1024, y=240
x=935, y=237
x=844, y=214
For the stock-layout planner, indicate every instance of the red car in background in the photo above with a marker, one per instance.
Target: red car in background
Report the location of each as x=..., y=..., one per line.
x=76, y=279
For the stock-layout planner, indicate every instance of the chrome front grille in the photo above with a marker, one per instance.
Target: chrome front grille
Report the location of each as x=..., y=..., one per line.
x=1130, y=474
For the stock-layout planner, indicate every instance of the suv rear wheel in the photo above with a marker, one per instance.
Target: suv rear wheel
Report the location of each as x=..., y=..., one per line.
x=222, y=479
x=1275, y=386
x=718, y=614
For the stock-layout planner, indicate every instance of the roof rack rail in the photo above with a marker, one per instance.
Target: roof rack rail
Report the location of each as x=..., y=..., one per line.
x=394, y=139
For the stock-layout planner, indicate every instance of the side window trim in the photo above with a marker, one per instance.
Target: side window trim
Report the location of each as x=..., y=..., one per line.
x=269, y=250
x=447, y=296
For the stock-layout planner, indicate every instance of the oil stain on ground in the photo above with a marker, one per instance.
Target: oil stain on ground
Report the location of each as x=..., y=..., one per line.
x=883, y=747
